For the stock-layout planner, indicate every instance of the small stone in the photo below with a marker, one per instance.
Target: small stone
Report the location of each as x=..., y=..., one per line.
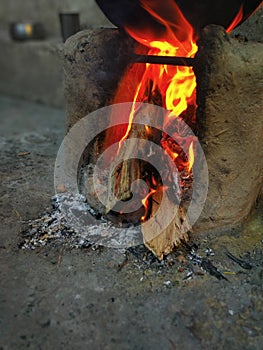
x=167, y=284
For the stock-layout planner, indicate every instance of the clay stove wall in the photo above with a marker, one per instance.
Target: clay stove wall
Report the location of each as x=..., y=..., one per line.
x=230, y=109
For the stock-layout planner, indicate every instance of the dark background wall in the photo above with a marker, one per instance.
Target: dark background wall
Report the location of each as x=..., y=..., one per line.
x=46, y=11
x=32, y=69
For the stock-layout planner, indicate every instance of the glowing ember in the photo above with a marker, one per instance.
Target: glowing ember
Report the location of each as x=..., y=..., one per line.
x=191, y=157
x=145, y=202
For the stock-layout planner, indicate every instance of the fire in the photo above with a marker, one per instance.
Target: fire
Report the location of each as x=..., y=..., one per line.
x=191, y=157
x=146, y=200
x=176, y=85
x=236, y=21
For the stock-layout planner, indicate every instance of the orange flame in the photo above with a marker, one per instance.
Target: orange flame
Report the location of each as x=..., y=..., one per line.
x=191, y=157
x=236, y=20
x=146, y=200
x=176, y=84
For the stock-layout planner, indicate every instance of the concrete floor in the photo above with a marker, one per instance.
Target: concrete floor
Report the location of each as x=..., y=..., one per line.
x=86, y=302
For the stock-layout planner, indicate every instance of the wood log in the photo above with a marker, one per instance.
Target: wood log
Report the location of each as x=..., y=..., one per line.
x=162, y=232
x=132, y=169
x=129, y=170
x=171, y=232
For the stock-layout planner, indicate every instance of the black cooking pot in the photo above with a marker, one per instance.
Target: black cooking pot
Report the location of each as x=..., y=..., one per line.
x=130, y=13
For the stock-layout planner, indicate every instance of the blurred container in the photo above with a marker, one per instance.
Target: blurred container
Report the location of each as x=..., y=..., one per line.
x=26, y=30
x=69, y=23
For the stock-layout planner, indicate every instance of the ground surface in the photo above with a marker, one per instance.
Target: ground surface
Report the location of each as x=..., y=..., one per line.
x=52, y=298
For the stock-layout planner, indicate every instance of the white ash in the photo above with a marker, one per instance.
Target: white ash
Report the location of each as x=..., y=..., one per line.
x=71, y=223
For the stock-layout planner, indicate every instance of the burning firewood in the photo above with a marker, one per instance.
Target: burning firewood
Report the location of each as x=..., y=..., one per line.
x=223, y=68
x=161, y=232
x=128, y=171
x=171, y=233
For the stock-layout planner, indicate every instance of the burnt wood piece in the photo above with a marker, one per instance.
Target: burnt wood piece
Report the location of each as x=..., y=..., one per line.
x=129, y=170
x=132, y=169
x=244, y=264
x=170, y=60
